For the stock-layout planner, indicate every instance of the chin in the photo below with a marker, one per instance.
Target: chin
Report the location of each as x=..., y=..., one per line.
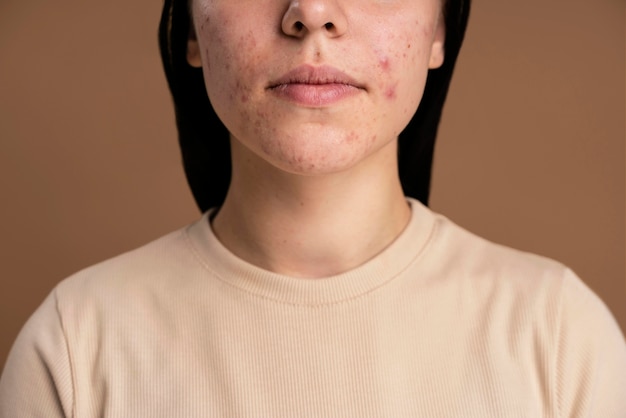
x=314, y=147
x=321, y=154
x=311, y=162
x=312, y=167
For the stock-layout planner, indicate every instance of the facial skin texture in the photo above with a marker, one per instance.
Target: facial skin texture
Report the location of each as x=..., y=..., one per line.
x=385, y=46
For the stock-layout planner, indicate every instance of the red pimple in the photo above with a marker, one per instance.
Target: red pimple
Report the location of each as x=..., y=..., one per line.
x=384, y=63
x=390, y=93
x=352, y=136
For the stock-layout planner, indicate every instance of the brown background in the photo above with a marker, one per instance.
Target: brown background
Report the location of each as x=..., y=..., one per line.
x=531, y=151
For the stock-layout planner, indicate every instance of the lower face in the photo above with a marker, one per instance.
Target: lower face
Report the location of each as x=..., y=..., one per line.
x=384, y=47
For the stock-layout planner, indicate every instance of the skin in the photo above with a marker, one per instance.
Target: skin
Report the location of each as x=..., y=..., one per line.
x=315, y=190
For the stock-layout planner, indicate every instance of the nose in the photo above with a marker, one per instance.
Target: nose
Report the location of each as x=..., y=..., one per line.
x=310, y=16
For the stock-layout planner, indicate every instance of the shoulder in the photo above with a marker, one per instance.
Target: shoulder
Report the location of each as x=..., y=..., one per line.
x=121, y=292
x=590, y=354
x=539, y=303
x=142, y=268
x=492, y=271
x=89, y=315
x=462, y=254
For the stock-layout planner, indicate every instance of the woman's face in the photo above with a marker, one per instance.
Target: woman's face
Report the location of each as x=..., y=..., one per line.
x=316, y=86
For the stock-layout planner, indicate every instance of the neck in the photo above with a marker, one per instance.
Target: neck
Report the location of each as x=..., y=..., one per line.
x=311, y=226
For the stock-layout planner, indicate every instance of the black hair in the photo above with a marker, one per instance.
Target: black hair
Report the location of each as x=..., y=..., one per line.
x=205, y=141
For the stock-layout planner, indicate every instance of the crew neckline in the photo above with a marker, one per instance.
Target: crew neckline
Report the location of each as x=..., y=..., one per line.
x=374, y=273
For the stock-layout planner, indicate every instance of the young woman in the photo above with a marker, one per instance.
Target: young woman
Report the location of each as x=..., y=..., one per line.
x=317, y=283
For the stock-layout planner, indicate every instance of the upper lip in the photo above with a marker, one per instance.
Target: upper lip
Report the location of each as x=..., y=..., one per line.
x=309, y=74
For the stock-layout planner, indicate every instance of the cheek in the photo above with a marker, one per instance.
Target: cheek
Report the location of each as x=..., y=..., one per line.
x=399, y=61
x=229, y=64
x=384, y=64
x=391, y=76
x=388, y=83
x=402, y=68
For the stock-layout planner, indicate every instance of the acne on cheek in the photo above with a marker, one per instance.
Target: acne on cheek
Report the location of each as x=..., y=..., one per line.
x=246, y=46
x=351, y=137
x=243, y=92
x=260, y=127
x=405, y=53
x=384, y=64
x=389, y=88
x=390, y=91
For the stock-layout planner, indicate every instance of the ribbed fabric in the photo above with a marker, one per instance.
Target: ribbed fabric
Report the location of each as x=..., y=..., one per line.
x=439, y=324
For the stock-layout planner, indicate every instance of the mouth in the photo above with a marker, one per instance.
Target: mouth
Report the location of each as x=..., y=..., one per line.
x=308, y=74
x=311, y=86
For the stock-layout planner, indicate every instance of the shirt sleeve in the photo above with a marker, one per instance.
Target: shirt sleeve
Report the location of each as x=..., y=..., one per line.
x=591, y=356
x=37, y=378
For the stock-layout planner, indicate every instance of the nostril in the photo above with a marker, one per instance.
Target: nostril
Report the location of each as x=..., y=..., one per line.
x=329, y=26
x=298, y=25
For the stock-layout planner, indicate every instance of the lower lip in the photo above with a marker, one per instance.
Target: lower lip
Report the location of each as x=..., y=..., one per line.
x=315, y=95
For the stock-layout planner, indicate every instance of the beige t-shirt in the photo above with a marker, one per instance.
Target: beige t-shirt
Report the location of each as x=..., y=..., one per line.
x=440, y=324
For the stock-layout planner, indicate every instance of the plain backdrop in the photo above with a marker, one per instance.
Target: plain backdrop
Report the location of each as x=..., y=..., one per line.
x=530, y=152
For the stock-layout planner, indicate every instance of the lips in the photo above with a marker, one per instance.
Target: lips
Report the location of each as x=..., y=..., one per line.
x=312, y=86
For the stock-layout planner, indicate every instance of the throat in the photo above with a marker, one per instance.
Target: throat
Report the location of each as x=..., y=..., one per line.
x=310, y=239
